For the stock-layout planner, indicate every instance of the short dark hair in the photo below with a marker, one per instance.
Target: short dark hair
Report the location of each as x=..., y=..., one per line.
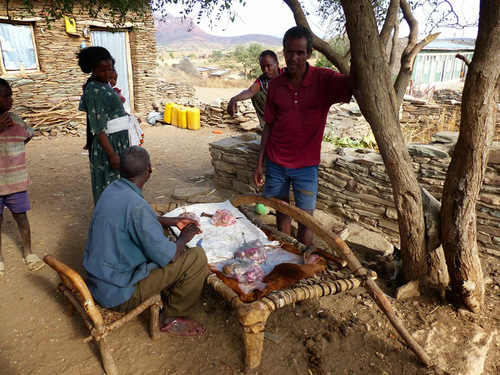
x=134, y=162
x=4, y=83
x=268, y=52
x=90, y=57
x=299, y=32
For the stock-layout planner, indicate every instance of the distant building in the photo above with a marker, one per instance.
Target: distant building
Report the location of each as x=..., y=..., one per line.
x=437, y=63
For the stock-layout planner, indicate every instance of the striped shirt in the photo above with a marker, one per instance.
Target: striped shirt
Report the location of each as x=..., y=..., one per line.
x=13, y=174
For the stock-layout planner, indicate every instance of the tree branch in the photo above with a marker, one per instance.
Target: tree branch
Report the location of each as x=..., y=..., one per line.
x=463, y=58
x=390, y=23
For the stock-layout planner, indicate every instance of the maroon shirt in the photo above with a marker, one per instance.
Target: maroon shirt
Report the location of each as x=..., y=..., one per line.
x=299, y=116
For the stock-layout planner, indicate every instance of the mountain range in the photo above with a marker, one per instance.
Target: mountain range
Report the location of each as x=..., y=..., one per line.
x=182, y=34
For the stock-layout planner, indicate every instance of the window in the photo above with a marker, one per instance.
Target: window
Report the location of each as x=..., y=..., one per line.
x=18, y=47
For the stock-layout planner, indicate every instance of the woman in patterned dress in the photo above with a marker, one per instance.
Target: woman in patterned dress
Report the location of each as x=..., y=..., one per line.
x=102, y=104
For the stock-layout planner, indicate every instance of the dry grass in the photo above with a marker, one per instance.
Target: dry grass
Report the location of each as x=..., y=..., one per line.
x=426, y=126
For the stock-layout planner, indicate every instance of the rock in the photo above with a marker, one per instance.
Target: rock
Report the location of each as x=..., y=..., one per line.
x=332, y=223
x=408, y=291
x=445, y=137
x=249, y=125
x=458, y=352
x=426, y=151
x=366, y=241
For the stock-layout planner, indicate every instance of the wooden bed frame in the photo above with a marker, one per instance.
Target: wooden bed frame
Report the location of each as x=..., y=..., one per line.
x=253, y=316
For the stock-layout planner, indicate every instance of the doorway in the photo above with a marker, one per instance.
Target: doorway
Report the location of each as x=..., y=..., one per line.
x=117, y=43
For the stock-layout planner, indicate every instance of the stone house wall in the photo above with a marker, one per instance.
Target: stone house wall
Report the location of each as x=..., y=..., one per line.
x=48, y=99
x=354, y=185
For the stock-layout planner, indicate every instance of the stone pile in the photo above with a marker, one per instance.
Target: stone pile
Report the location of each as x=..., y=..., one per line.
x=355, y=188
x=171, y=91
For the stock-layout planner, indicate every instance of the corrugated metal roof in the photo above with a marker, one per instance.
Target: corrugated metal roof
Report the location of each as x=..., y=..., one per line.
x=444, y=45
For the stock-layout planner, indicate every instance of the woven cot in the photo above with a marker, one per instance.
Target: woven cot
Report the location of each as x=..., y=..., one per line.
x=100, y=321
x=253, y=316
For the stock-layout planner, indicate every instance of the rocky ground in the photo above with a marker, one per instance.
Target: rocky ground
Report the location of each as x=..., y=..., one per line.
x=344, y=334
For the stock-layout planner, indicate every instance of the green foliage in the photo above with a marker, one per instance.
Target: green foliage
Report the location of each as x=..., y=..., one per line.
x=322, y=62
x=217, y=55
x=365, y=142
x=171, y=54
x=248, y=56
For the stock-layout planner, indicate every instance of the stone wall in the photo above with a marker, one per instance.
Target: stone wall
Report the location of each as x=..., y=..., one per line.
x=48, y=99
x=354, y=185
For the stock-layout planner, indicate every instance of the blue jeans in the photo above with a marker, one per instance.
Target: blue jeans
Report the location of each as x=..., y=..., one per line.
x=304, y=182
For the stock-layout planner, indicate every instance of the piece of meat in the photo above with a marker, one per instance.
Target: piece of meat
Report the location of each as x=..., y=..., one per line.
x=254, y=251
x=223, y=218
x=243, y=272
x=190, y=215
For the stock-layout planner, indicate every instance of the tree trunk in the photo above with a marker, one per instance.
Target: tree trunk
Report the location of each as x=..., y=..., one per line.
x=377, y=100
x=466, y=171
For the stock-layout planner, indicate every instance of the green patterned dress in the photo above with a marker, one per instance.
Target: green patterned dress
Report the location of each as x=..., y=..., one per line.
x=102, y=103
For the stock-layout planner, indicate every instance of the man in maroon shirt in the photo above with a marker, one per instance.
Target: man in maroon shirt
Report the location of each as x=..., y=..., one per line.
x=297, y=106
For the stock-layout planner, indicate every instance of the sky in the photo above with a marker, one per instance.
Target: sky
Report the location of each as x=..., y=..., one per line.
x=273, y=17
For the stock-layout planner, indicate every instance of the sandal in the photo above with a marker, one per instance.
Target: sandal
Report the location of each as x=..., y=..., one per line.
x=184, y=328
x=33, y=262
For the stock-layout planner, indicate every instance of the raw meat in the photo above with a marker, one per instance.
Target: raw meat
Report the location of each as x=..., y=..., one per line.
x=243, y=271
x=223, y=218
x=253, y=251
x=190, y=215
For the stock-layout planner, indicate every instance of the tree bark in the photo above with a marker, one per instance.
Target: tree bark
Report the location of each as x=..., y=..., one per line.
x=378, y=102
x=466, y=171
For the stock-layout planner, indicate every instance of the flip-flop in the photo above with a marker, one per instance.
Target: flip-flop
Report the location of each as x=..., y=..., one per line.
x=33, y=262
x=2, y=270
x=184, y=328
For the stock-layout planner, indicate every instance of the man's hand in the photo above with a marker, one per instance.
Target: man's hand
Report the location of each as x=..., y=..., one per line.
x=231, y=107
x=258, y=176
x=184, y=221
x=5, y=121
x=188, y=232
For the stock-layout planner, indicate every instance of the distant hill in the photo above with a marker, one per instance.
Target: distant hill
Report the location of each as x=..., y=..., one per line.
x=182, y=34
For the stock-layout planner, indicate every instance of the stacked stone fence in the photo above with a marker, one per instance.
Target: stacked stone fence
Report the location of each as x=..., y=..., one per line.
x=355, y=188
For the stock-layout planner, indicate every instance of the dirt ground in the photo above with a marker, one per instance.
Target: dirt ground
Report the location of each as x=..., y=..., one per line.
x=344, y=334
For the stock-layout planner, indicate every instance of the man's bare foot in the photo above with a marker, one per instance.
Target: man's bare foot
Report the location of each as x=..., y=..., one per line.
x=180, y=327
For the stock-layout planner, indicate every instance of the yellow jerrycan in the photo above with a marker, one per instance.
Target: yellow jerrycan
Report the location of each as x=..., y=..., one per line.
x=194, y=119
x=182, y=117
x=175, y=112
x=167, y=116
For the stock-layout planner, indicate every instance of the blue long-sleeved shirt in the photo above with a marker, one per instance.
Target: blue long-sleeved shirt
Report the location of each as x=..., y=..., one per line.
x=125, y=243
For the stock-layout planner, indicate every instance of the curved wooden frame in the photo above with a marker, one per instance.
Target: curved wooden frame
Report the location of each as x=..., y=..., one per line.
x=78, y=296
x=253, y=316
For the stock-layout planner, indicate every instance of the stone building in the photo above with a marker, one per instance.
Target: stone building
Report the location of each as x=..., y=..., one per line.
x=39, y=60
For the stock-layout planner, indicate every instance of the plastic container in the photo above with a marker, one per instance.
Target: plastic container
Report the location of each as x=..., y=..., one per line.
x=193, y=122
x=182, y=117
x=167, y=116
x=175, y=111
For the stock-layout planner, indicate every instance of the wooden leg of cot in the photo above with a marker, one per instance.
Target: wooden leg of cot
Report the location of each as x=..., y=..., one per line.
x=253, y=317
x=154, y=324
x=107, y=359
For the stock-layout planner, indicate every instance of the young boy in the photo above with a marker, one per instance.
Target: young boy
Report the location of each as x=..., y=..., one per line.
x=14, y=180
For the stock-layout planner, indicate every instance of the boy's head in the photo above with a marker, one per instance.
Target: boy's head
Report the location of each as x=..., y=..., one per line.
x=5, y=96
x=113, y=76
